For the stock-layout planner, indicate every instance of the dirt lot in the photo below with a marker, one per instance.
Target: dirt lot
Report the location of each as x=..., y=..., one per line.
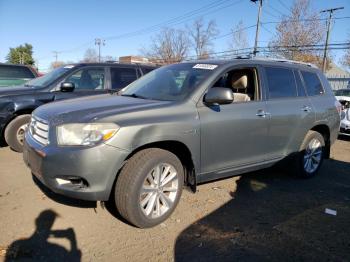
x=262, y=216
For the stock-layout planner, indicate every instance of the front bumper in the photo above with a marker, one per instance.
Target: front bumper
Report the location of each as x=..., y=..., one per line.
x=92, y=170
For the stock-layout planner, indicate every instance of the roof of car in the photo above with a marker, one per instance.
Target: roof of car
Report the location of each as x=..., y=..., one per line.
x=110, y=63
x=257, y=60
x=6, y=64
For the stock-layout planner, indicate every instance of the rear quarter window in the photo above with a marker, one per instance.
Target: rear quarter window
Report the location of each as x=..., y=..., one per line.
x=15, y=72
x=312, y=83
x=281, y=82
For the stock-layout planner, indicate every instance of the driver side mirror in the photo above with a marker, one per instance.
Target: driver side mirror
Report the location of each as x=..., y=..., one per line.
x=218, y=95
x=67, y=87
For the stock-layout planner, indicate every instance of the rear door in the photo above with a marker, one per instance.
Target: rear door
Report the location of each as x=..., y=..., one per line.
x=291, y=112
x=122, y=76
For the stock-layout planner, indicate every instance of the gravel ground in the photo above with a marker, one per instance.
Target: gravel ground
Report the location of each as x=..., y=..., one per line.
x=261, y=216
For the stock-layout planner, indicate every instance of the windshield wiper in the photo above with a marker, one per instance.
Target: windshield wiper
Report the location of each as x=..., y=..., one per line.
x=135, y=96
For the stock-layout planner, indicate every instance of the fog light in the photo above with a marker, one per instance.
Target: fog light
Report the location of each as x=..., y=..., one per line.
x=71, y=181
x=61, y=181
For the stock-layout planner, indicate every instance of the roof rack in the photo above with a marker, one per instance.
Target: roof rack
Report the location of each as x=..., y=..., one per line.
x=286, y=61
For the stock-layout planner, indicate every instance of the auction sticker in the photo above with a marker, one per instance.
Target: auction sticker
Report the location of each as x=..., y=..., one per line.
x=205, y=66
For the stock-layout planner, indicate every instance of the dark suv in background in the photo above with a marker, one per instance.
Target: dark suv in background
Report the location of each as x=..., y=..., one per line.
x=12, y=75
x=84, y=79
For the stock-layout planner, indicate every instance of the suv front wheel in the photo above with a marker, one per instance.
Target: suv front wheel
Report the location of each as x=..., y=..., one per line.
x=149, y=187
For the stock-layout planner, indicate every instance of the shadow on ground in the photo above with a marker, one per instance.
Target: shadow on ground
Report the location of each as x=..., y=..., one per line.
x=276, y=217
x=38, y=248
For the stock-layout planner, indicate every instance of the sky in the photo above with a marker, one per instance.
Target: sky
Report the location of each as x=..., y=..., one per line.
x=70, y=27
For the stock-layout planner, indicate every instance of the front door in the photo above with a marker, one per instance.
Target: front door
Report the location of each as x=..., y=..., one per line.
x=88, y=81
x=235, y=134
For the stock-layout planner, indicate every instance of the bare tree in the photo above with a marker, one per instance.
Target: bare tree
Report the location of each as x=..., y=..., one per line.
x=201, y=36
x=298, y=32
x=90, y=56
x=169, y=46
x=239, y=37
x=346, y=58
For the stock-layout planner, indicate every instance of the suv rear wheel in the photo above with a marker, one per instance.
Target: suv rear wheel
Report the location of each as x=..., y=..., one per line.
x=14, y=132
x=149, y=187
x=311, y=154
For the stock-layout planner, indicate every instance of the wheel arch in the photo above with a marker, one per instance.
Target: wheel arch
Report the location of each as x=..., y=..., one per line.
x=179, y=149
x=22, y=111
x=324, y=130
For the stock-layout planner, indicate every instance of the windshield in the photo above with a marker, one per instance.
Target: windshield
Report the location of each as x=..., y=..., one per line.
x=48, y=78
x=169, y=83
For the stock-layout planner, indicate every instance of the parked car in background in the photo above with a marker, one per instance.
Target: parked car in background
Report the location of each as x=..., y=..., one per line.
x=185, y=123
x=84, y=79
x=345, y=115
x=12, y=75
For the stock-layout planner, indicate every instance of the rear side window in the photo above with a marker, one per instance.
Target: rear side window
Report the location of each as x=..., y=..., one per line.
x=15, y=72
x=121, y=77
x=281, y=82
x=312, y=83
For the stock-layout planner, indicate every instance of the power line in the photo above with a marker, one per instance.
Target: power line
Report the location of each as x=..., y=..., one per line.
x=172, y=22
x=232, y=32
x=276, y=10
x=265, y=49
x=284, y=5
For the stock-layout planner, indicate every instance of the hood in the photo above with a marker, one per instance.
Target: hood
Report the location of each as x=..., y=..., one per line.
x=92, y=108
x=16, y=90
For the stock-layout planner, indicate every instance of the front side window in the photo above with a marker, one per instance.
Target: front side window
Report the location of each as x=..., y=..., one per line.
x=281, y=82
x=170, y=83
x=312, y=83
x=242, y=82
x=88, y=78
x=121, y=77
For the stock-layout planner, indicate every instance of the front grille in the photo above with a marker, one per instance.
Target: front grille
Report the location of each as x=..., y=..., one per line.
x=39, y=130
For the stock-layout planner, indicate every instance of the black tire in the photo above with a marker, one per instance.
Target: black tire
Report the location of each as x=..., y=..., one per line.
x=131, y=179
x=299, y=167
x=12, y=129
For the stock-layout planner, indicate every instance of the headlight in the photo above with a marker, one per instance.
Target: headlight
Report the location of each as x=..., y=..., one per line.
x=85, y=134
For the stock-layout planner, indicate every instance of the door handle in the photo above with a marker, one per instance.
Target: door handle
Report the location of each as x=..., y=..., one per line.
x=262, y=113
x=306, y=108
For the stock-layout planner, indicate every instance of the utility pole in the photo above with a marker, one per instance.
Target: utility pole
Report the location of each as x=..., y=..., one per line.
x=257, y=27
x=55, y=55
x=331, y=10
x=99, y=42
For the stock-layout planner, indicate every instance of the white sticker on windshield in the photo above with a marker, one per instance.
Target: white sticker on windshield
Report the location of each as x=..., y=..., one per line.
x=205, y=66
x=69, y=66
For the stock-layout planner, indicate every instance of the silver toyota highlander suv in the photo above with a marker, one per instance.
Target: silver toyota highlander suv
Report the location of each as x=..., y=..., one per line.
x=182, y=124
